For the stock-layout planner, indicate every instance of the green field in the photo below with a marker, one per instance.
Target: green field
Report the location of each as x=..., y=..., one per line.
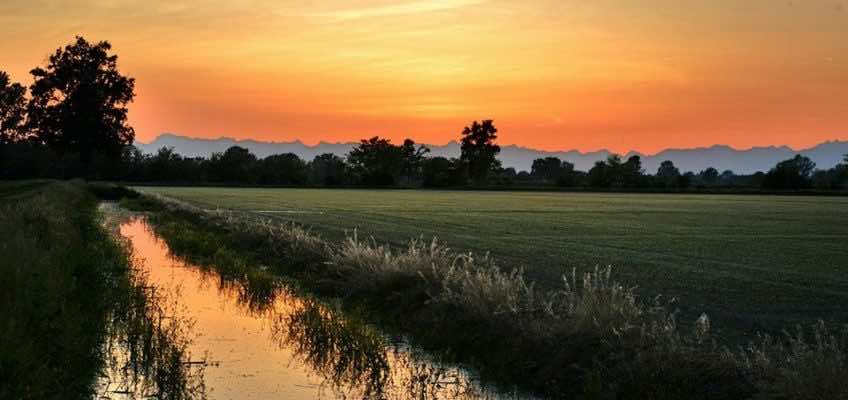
x=762, y=262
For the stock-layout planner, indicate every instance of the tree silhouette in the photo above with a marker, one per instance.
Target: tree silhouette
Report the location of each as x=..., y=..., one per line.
x=164, y=165
x=617, y=174
x=599, y=174
x=413, y=158
x=479, y=150
x=709, y=176
x=79, y=101
x=436, y=171
x=328, y=169
x=546, y=169
x=285, y=169
x=12, y=109
x=630, y=173
x=794, y=173
x=549, y=170
x=377, y=161
x=567, y=175
x=841, y=172
x=235, y=165
x=667, y=174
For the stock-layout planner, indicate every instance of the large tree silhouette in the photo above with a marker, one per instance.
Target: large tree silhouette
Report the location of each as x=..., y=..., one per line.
x=479, y=149
x=668, y=175
x=546, y=169
x=328, y=169
x=79, y=102
x=794, y=173
x=235, y=165
x=377, y=161
x=413, y=159
x=12, y=109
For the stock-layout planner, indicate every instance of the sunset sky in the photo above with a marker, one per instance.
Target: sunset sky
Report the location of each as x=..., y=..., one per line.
x=623, y=75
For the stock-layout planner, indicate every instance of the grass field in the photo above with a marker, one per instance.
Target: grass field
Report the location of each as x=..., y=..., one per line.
x=762, y=262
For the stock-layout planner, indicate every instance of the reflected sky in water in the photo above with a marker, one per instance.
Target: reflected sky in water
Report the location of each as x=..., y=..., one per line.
x=278, y=345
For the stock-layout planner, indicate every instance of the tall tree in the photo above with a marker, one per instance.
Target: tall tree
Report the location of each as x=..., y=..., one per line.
x=631, y=172
x=567, y=176
x=413, y=158
x=79, y=101
x=12, y=109
x=479, y=150
x=599, y=174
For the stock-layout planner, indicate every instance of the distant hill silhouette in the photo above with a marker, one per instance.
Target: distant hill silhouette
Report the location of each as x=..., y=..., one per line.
x=825, y=155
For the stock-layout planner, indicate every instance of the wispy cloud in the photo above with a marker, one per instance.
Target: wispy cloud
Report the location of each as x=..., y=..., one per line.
x=406, y=8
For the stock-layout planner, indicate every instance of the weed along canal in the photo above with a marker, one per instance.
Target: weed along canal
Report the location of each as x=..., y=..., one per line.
x=264, y=341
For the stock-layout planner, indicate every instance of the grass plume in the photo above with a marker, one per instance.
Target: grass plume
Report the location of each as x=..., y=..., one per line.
x=590, y=337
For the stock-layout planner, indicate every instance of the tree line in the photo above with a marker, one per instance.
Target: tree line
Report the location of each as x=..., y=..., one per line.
x=72, y=122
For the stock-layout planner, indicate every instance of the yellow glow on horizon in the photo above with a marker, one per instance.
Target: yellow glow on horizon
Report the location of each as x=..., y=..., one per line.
x=553, y=74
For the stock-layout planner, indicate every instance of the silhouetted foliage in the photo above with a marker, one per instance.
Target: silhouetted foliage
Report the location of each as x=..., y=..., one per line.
x=235, y=165
x=568, y=176
x=376, y=161
x=437, y=172
x=79, y=102
x=413, y=159
x=551, y=170
x=668, y=176
x=506, y=176
x=708, y=177
x=479, y=150
x=26, y=159
x=74, y=123
x=612, y=173
x=830, y=179
x=686, y=180
x=599, y=175
x=726, y=178
x=546, y=169
x=282, y=169
x=835, y=178
x=12, y=109
x=630, y=173
x=165, y=166
x=794, y=173
x=328, y=169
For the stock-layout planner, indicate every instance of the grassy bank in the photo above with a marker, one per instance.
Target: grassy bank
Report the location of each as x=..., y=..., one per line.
x=73, y=310
x=750, y=262
x=588, y=337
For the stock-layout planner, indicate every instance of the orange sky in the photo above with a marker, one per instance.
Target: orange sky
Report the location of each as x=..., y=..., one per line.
x=623, y=75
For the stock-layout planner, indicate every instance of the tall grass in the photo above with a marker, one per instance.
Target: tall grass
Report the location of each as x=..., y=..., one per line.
x=68, y=292
x=592, y=337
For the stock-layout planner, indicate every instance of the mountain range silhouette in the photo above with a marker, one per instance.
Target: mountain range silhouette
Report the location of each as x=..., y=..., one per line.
x=721, y=157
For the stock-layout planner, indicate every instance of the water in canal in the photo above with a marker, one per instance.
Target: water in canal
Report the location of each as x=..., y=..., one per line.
x=277, y=345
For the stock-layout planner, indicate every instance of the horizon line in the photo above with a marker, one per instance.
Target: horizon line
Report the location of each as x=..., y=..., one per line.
x=629, y=152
